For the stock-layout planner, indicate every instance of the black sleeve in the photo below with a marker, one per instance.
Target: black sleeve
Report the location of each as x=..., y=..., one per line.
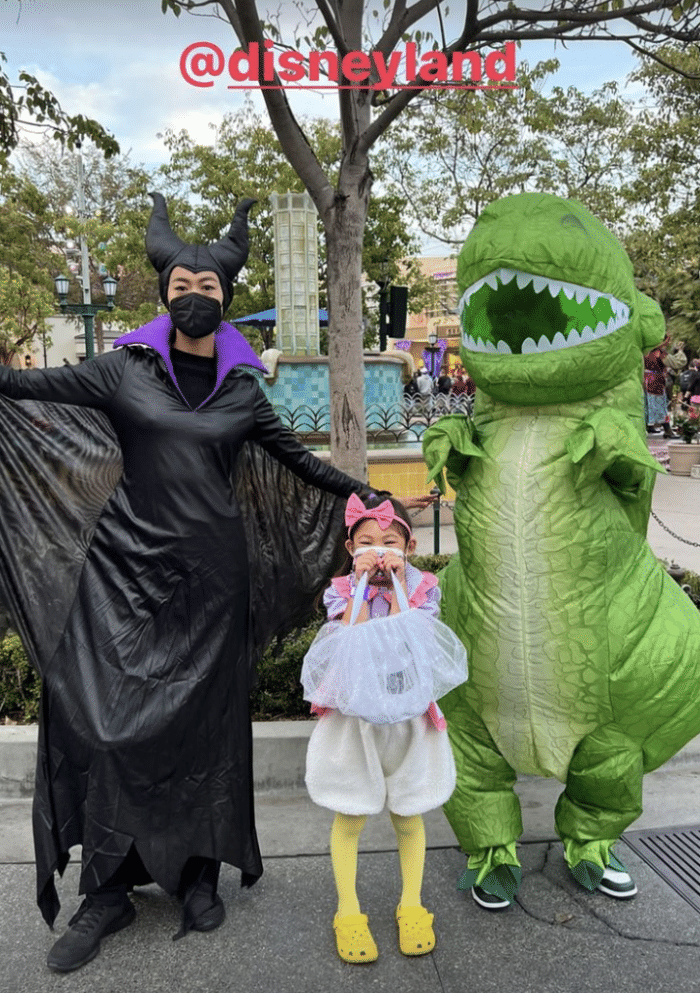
x=90, y=384
x=275, y=438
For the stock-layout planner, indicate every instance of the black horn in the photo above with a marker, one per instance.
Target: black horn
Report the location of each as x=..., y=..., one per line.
x=231, y=251
x=162, y=244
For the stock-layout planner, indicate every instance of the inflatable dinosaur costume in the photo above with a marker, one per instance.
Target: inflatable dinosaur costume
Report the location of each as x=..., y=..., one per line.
x=584, y=654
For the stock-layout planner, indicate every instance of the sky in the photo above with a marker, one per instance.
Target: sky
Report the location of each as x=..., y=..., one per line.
x=119, y=63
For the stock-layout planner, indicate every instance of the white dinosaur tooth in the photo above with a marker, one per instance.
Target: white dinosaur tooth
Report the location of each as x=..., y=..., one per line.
x=504, y=348
x=469, y=343
x=554, y=286
x=466, y=297
x=506, y=275
x=528, y=346
x=580, y=293
x=522, y=279
x=492, y=280
x=594, y=296
x=574, y=338
x=558, y=341
x=569, y=290
x=600, y=329
x=612, y=325
x=544, y=344
x=490, y=348
x=587, y=334
x=479, y=346
x=539, y=283
x=469, y=293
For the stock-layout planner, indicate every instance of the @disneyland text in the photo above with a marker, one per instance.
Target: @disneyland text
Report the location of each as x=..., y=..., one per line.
x=203, y=61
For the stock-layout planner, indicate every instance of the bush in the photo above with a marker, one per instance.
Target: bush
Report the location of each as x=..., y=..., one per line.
x=20, y=686
x=692, y=580
x=278, y=695
x=430, y=563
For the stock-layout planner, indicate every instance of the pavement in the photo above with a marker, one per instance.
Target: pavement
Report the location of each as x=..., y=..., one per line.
x=277, y=937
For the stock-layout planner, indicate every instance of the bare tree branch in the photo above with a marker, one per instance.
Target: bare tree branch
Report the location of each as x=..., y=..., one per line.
x=289, y=131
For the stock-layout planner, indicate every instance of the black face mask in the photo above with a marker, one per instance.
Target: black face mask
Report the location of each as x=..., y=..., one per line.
x=195, y=315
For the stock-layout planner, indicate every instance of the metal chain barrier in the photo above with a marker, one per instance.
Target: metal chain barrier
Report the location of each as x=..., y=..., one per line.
x=686, y=541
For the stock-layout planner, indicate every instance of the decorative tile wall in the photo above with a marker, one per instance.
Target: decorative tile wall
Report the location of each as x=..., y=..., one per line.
x=299, y=384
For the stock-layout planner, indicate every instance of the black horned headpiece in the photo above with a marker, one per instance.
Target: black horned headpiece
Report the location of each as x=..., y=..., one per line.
x=225, y=257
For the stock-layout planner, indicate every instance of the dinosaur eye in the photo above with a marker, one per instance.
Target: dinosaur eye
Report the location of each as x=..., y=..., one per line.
x=571, y=221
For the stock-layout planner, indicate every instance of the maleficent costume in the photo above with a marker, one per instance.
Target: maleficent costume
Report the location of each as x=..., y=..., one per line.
x=148, y=552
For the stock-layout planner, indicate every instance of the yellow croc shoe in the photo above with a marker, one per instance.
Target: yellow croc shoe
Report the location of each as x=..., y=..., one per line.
x=353, y=939
x=416, y=935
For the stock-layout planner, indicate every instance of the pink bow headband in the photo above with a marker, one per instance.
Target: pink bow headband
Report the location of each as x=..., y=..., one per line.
x=384, y=514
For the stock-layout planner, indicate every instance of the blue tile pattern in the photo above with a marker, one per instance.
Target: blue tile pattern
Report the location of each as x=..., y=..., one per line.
x=299, y=385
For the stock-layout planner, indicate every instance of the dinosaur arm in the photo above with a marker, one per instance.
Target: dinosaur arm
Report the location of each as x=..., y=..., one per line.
x=606, y=444
x=448, y=445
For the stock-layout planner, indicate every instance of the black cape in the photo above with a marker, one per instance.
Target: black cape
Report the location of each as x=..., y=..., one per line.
x=148, y=555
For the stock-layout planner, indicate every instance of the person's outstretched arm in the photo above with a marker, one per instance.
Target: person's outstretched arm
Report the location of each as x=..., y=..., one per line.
x=90, y=384
x=281, y=443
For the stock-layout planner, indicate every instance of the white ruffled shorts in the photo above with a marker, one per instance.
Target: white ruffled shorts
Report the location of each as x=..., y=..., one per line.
x=354, y=767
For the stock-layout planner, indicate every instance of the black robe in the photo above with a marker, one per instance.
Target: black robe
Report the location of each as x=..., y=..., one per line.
x=134, y=537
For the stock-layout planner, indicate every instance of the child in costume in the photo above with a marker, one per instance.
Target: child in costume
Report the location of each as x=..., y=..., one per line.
x=380, y=737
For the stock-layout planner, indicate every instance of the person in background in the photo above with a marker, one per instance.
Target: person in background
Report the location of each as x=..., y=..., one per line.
x=655, y=402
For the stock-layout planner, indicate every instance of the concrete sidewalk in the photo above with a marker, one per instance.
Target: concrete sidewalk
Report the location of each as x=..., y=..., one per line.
x=278, y=937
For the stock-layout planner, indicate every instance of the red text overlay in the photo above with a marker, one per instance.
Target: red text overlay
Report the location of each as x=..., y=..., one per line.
x=202, y=62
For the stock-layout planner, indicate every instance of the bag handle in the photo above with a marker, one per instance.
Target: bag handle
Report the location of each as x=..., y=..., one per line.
x=358, y=599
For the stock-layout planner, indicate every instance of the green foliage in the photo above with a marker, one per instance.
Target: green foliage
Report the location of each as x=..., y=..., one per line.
x=665, y=244
x=20, y=686
x=28, y=105
x=116, y=212
x=692, y=580
x=247, y=160
x=458, y=150
x=430, y=563
x=26, y=264
x=279, y=694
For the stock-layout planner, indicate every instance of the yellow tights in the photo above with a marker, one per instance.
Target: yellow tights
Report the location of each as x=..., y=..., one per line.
x=345, y=838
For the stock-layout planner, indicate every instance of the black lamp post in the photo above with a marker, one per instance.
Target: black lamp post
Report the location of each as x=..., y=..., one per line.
x=86, y=310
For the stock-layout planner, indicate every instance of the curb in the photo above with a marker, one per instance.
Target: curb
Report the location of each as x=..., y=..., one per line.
x=279, y=757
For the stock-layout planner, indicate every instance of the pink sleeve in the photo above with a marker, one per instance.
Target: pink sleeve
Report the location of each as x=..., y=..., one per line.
x=336, y=597
x=427, y=595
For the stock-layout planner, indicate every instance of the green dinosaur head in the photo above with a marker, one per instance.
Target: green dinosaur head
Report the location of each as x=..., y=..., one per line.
x=549, y=309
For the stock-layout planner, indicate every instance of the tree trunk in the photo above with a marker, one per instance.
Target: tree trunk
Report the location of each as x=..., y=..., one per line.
x=344, y=226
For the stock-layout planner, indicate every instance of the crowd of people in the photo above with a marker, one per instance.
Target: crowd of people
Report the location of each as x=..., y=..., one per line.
x=424, y=387
x=666, y=368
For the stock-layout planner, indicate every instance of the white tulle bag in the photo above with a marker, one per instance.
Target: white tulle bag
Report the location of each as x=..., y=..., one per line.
x=387, y=669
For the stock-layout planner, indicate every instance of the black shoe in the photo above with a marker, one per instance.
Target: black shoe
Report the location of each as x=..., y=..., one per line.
x=213, y=917
x=488, y=901
x=81, y=942
x=202, y=907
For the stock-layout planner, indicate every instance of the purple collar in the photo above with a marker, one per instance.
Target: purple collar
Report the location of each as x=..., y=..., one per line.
x=230, y=347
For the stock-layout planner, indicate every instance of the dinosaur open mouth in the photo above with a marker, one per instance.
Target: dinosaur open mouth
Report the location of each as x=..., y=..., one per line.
x=500, y=311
